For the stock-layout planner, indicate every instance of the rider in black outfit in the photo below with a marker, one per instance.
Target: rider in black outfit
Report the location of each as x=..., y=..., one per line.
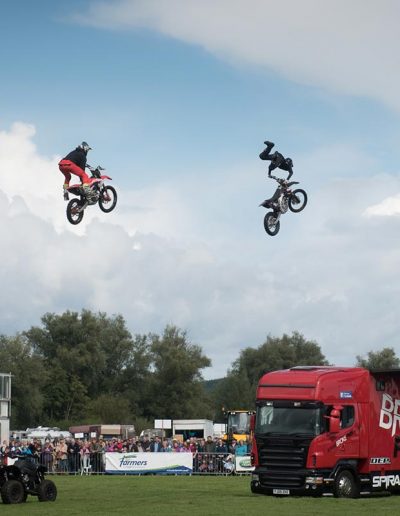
x=277, y=161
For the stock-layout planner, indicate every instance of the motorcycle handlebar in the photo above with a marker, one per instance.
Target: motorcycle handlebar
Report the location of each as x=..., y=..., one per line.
x=278, y=179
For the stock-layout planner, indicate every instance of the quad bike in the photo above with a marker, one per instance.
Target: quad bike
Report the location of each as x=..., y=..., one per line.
x=283, y=199
x=25, y=477
x=97, y=192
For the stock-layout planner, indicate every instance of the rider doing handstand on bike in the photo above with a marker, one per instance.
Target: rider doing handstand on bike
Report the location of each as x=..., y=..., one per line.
x=277, y=161
x=75, y=163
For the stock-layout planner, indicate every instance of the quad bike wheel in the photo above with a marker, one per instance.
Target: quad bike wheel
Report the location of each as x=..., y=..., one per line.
x=13, y=491
x=47, y=491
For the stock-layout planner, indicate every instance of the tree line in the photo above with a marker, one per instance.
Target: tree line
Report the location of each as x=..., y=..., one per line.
x=85, y=368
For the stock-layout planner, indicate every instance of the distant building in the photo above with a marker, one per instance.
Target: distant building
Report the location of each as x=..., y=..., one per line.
x=5, y=406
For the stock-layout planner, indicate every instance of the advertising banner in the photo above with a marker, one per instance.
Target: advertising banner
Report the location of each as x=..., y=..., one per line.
x=243, y=464
x=140, y=463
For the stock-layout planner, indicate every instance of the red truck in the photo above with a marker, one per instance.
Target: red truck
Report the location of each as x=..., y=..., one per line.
x=327, y=431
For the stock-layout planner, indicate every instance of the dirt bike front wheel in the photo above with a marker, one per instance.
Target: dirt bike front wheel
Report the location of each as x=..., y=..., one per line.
x=107, y=199
x=298, y=200
x=271, y=225
x=75, y=211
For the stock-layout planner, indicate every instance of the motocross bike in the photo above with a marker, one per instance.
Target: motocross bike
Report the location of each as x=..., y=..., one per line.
x=97, y=192
x=283, y=199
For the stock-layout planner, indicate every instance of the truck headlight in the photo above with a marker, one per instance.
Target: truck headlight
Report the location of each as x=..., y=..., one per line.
x=315, y=480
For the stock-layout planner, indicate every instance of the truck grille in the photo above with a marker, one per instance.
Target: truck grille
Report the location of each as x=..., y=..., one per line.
x=282, y=461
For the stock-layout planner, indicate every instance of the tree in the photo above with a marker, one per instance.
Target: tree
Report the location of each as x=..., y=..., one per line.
x=134, y=381
x=108, y=409
x=238, y=389
x=384, y=359
x=176, y=387
x=28, y=379
x=83, y=354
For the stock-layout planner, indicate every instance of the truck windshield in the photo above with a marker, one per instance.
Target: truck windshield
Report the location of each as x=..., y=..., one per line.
x=239, y=422
x=288, y=420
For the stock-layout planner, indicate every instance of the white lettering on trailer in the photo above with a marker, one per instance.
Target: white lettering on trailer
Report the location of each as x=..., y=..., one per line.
x=386, y=481
x=390, y=413
x=380, y=460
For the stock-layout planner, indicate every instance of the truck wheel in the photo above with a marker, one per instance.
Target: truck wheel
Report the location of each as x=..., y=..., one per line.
x=47, y=491
x=13, y=492
x=345, y=485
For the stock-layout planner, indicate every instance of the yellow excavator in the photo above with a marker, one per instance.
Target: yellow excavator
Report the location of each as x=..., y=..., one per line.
x=237, y=425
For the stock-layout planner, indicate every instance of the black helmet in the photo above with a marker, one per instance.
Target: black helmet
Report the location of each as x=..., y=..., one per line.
x=289, y=162
x=85, y=146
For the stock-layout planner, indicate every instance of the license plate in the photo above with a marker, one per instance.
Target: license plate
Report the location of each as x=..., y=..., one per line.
x=281, y=491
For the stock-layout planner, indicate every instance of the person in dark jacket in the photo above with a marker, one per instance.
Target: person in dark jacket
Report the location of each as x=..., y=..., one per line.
x=277, y=160
x=75, y=163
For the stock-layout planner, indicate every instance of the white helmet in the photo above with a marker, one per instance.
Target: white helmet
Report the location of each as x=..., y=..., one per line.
x=85, y=146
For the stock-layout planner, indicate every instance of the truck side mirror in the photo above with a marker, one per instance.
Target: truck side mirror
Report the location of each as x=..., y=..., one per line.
x=334, y=420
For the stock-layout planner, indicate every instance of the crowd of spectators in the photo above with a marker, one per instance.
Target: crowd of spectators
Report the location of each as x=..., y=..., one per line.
x=87, y=455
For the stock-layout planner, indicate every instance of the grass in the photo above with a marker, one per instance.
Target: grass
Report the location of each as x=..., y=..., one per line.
x=175, y=496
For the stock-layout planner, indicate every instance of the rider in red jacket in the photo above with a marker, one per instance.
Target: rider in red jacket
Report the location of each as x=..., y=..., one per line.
x=75, y=163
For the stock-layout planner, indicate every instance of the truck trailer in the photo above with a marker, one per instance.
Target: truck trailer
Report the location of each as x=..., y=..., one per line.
x=327, y=431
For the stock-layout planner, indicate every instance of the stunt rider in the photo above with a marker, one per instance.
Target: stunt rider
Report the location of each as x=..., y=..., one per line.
x=75, y=163
x=277, y=161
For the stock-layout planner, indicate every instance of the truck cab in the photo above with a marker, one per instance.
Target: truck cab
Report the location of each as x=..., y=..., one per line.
x=321, y=431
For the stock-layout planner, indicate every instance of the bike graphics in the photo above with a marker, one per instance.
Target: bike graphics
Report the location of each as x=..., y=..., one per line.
x=284, y=199
x=98, y=192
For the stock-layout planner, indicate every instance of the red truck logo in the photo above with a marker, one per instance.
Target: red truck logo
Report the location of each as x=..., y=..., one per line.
x=389, y=416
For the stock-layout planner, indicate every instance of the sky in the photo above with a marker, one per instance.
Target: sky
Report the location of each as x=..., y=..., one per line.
x=176, y=97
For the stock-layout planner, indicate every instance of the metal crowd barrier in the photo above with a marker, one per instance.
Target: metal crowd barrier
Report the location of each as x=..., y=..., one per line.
x=94, y=463
x=213, y=463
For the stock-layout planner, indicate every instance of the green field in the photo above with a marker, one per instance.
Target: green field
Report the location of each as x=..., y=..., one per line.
x=205, y=496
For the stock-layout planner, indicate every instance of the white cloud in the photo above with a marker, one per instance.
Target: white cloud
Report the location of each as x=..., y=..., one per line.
x=387, y=208
x=25, y=173
x=331, y=273
x=346, y=47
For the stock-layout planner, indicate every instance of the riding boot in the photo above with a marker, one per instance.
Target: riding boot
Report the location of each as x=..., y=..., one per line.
x=269, y=145
x=66, y=196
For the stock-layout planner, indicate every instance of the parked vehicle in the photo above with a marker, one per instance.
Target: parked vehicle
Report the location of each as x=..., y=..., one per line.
x=237, y=425
x=25, y=477
x=327, y=430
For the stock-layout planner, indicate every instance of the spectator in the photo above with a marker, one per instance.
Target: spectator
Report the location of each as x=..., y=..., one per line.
x=145, y=443
x=73, y=450
x=48, y=455
x=62, y=456
x=232, y=447
x=201, y=446
x=221, y=447
x=166, y=445
x=241, y=449
x=176, y=446
x=85, y=456
x=155, y=446
x=209, y=446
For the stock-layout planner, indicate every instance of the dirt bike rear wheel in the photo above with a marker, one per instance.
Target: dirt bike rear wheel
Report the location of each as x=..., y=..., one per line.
x=298, y=200
x=271, y=225
x=74, y=216
x=108, y=199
